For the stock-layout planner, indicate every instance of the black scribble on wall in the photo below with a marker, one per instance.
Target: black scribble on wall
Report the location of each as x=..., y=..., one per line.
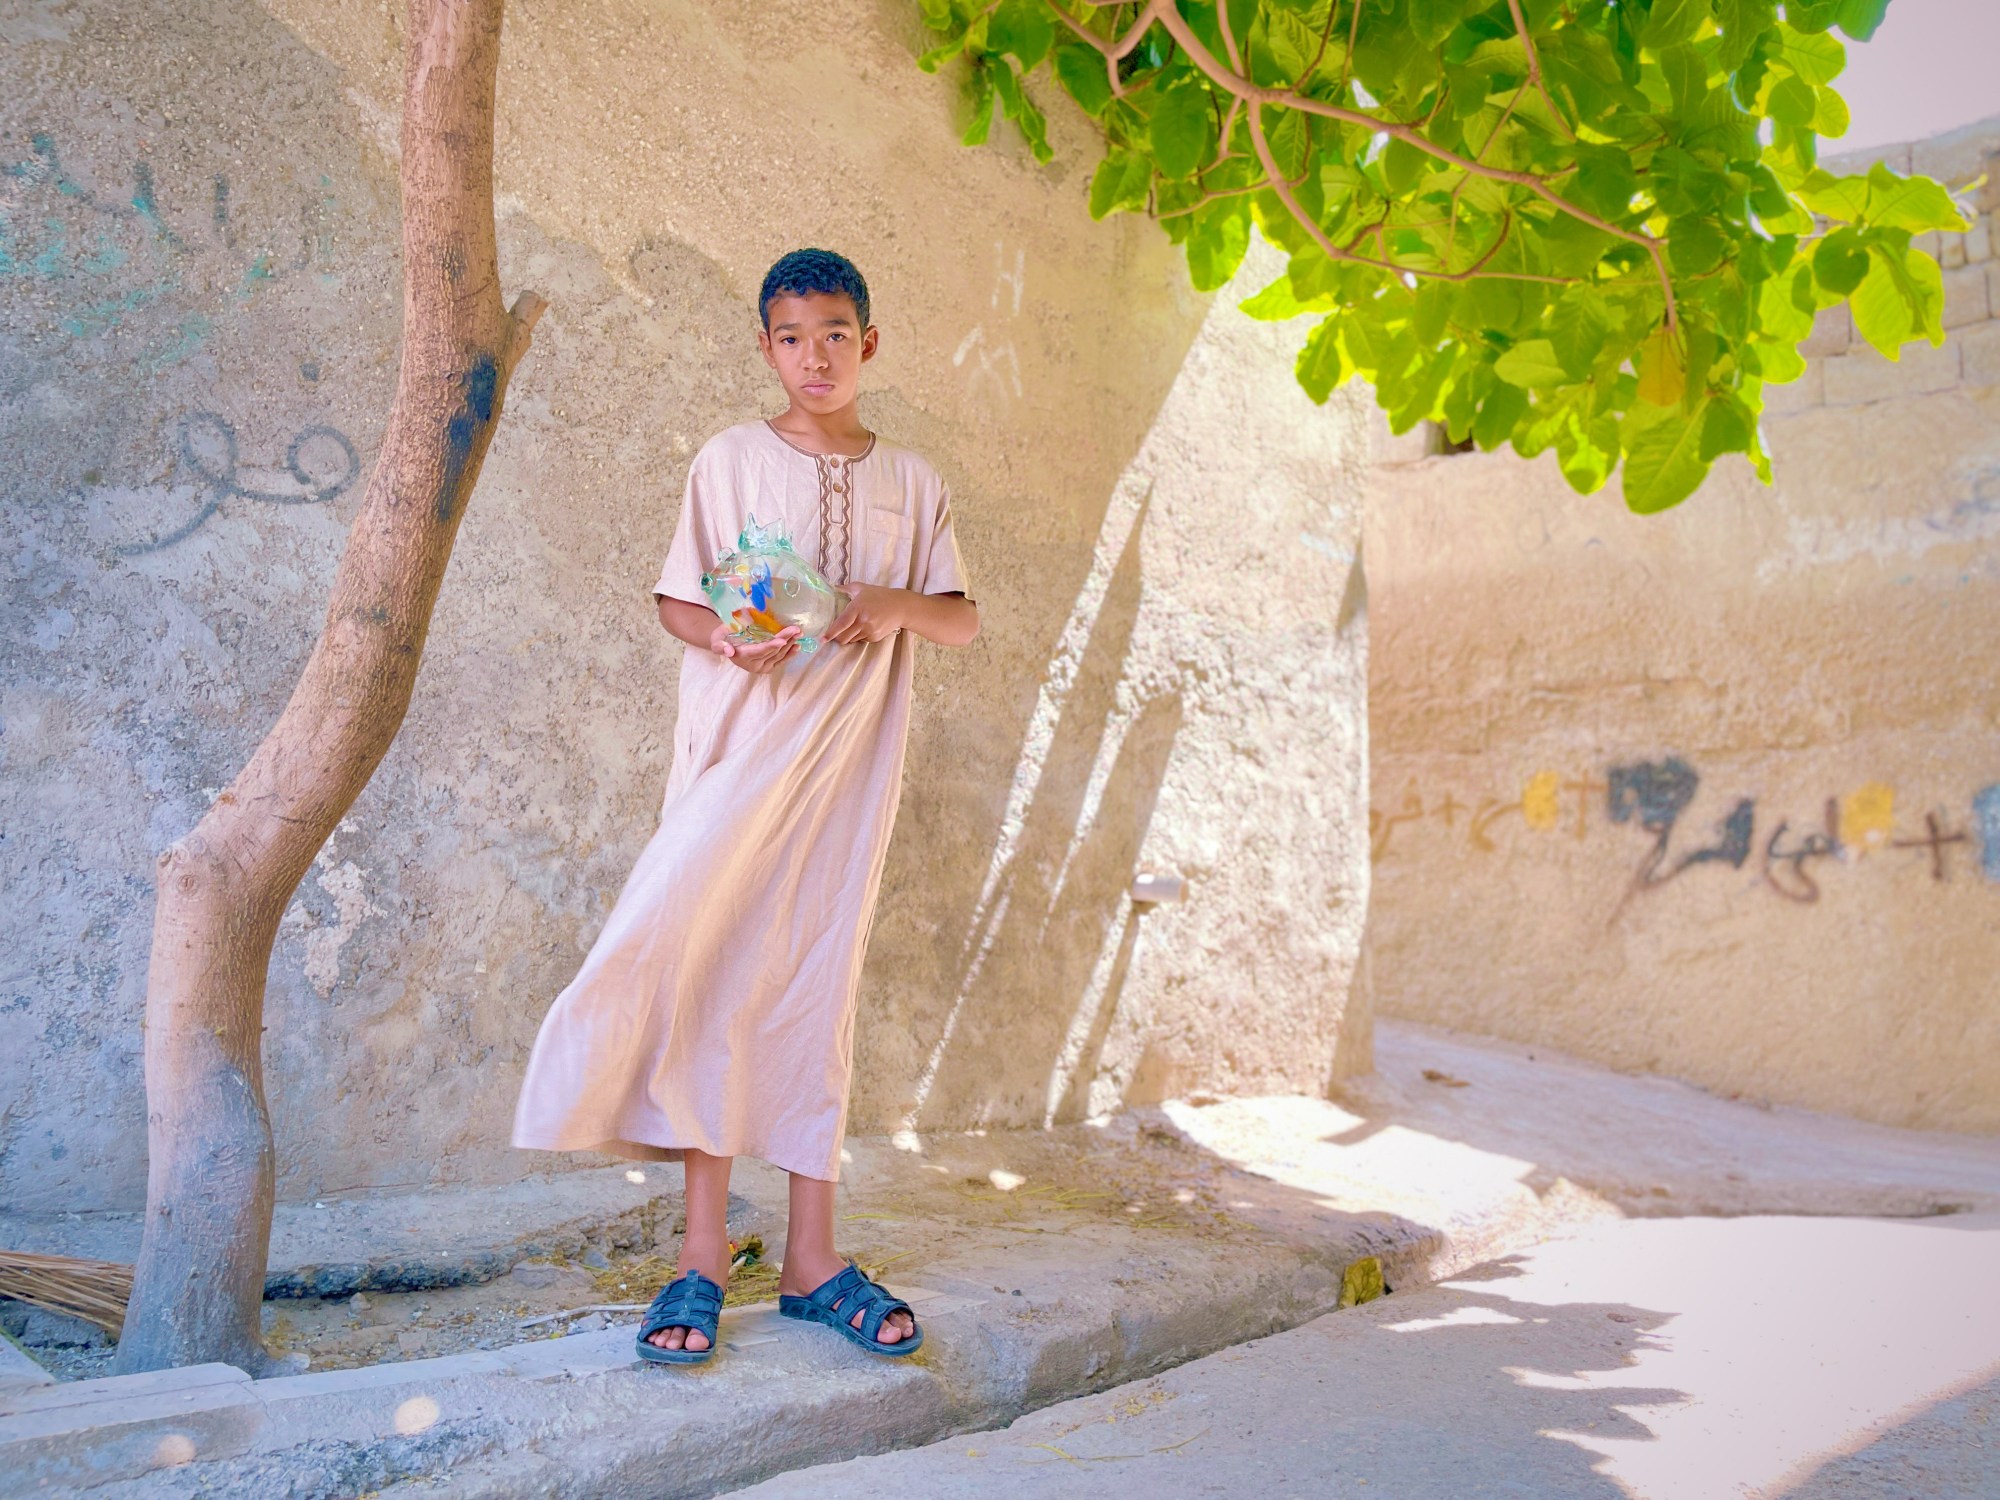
x=1655, y=794
x=1800, y=885
x=319, y=458
x=1936, y=841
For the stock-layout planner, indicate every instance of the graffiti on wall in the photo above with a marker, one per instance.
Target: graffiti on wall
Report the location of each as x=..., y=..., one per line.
x=110, y=253
x=119, y=252
x=320, y=459
x=992, y=368
x=1787, y=851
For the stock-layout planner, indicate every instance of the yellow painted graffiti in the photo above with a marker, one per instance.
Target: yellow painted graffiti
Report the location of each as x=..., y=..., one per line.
x=1868, y=817
x=1541, y=801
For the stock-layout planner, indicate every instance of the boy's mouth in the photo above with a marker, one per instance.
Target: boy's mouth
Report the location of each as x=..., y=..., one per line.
x=817, y=387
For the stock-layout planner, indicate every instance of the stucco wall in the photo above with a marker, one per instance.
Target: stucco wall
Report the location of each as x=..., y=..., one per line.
x=1789, y=689
x=199, y=303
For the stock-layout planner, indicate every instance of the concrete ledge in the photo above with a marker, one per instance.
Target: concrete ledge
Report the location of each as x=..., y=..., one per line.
x=779, y=1394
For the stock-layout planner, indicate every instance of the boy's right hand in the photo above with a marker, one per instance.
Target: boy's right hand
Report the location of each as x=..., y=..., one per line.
x=757, y=657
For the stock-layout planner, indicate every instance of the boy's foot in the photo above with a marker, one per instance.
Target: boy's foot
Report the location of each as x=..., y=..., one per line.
x=716, y=1268
x=802, y=1276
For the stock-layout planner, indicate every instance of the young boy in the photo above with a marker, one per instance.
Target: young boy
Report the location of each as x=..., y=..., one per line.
x=714, y=1016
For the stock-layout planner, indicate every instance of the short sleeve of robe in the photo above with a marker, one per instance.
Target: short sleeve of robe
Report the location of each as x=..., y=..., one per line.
x=944, y=570
x=696, y=543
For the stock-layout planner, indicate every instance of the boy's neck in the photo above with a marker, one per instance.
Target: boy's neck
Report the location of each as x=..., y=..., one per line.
x=838, y=432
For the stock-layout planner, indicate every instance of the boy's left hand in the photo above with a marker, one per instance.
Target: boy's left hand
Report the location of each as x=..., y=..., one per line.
x=874, y=613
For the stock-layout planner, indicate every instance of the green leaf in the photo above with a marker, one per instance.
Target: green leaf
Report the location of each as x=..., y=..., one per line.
x=1686, y=70
x=1604, y=181
x=1586, y=451
x=1663, y=463
x=1844, y=198
x=1841, y=262
x=1662, y=368
x=1913, y=203
x=1403, y=164
x=979, y=107
x=1578, y=326
x=1321, y=366
x=943, y=53
x=1276, y=303
x=1671, y=21
x=1081, y=71
x=1792, y=101
x=1291, y=140
x=1282, y=47
x=1816, y=59
x=1390, y=60
x=1726, y=429
x=1018, y=107
x=1498, y=416
x=1120, y=181
x=1433, y=20
x=1024, y=28
x=1742, y=22
x=1898, y=300
x=1531, y=363
x=1695, y=246
x=1683, y=184
x=1183, y=129
x=1219, y=242
x=1859, y=18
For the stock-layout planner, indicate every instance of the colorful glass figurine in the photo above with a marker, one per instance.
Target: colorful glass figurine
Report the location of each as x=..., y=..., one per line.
x=763, y=587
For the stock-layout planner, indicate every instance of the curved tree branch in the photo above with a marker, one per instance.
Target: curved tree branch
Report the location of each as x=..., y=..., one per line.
x=1535, y=69
x=1253, y=94
x=1282, y=188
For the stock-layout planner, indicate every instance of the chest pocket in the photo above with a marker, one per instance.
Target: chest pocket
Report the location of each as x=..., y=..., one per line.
x=887, y=541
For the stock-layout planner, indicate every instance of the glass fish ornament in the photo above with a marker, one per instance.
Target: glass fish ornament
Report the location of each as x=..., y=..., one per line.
x=763, y=587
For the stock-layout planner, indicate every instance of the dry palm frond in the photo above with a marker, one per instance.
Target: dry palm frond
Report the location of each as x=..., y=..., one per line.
x=95, y=1290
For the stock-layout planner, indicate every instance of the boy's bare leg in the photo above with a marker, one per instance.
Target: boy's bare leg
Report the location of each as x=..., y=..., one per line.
x=705, y=1245
x=810, y=1259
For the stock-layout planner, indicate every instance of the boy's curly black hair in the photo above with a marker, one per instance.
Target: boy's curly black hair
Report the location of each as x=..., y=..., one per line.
x=804, y=273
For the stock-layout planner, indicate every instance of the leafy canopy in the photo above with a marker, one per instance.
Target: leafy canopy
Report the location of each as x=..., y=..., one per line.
x=1593, y=225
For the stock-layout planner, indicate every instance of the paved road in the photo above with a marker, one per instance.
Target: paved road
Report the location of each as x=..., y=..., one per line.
x=1663, y=1359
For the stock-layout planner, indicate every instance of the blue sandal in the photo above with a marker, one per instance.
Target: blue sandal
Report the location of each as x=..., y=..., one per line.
x=836, y=1301
x=692, y=1302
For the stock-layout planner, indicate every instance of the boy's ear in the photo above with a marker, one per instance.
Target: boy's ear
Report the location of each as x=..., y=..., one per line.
x=764, y=346
x=869, y=339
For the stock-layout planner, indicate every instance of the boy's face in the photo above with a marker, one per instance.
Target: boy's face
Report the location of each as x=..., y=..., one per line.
x=817, y=345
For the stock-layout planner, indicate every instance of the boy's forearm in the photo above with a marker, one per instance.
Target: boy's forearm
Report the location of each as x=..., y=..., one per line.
x=948, y=619
x=692, y=623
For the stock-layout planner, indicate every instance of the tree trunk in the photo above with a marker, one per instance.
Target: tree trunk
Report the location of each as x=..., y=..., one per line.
x=199, y=1284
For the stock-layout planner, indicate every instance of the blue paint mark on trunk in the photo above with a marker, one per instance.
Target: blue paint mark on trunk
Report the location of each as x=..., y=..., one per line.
x=482, y=388
x=1986, y=814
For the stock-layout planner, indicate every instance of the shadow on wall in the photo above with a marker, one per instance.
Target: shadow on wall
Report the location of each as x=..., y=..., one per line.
x=1053, y=911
